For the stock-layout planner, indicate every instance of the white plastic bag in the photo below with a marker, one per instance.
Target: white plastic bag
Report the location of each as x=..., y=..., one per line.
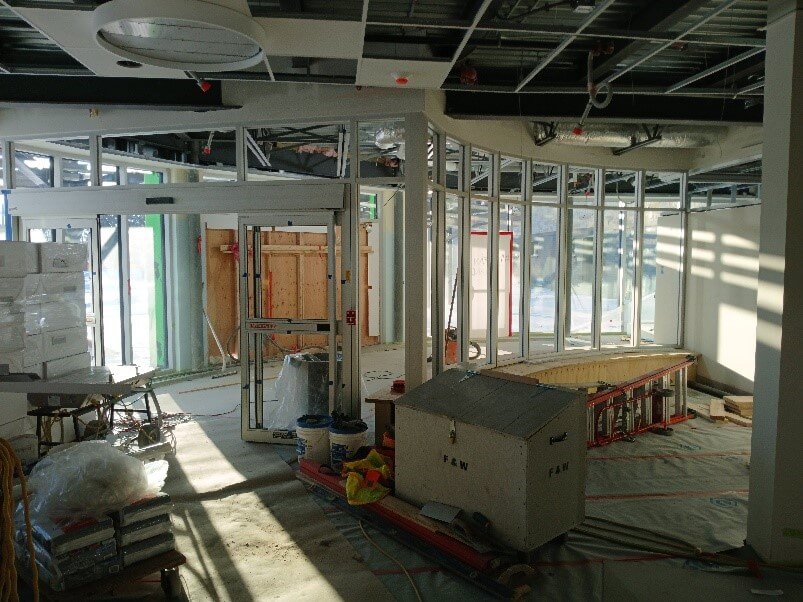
x=91, y=478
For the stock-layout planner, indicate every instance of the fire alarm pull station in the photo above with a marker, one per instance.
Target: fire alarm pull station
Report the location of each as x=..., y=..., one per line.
x=351, y=317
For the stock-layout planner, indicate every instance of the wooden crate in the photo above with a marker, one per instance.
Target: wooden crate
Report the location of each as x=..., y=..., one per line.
x=512, y=451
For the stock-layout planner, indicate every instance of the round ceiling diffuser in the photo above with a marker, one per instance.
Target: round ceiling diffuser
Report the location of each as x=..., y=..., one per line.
x=187, y=35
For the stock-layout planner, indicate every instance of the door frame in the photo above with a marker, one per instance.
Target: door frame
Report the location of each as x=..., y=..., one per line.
x=254, y=324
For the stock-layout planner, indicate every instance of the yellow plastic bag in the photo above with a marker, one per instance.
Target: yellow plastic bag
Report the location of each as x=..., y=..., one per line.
x=360, y=492
x=362, y=479
x=373, y=461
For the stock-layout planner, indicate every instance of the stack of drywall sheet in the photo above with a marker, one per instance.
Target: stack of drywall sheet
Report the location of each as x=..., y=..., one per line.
x=144, y=529
x=42, y=308
x=71, y=552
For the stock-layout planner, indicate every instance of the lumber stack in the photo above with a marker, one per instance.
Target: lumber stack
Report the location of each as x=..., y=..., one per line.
x=740, y=404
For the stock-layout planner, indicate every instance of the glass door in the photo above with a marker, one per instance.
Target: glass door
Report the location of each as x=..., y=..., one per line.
x=77, y=231
x=146, y=290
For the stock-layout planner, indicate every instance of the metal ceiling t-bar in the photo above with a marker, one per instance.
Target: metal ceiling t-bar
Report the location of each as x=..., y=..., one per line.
x=468, y=33
x=711, y=70
x=714, y=13
x=601, y=8
x=749, y=88
x=557, y=31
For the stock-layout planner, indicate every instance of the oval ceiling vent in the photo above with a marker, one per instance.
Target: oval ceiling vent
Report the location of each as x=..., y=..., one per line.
x=186, y=35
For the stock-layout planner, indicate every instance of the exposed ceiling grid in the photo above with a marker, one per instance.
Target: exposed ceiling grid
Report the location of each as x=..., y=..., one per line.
x=690, y=48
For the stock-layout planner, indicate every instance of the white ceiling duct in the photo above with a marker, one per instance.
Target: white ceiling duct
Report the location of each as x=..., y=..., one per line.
x=186, y=35
x=622, y=135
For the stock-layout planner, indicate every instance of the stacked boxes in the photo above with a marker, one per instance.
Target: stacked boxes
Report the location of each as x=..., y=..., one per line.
x=74, y=552
x=70, y=553
x=42, y=308
x=144, y=529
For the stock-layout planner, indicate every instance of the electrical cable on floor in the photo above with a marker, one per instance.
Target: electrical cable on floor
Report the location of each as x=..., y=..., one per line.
x=9, y=467
x=400, y=565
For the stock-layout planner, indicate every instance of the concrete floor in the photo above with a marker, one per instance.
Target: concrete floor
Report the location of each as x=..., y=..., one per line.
x=252, y=532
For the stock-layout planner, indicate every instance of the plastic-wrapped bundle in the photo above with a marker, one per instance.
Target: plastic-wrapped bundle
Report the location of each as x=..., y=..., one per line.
x=302, y=388
x=91, y=478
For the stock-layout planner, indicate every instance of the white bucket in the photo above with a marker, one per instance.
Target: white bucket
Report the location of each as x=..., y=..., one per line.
x=344, y=445
x=312, y=433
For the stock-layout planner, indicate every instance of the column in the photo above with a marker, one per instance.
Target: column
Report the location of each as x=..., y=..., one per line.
x=775, y=520
x=415, y=251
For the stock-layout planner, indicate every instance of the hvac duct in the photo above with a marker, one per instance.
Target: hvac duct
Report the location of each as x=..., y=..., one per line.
x=620, y=136
x=387, y=138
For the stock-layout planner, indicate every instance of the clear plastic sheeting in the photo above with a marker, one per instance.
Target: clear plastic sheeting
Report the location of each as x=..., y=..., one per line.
x=34, y=289
x=46, y=317
x=301, y=388
x=90, y=478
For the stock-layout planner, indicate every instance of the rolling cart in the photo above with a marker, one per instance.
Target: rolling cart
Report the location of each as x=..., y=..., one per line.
x=167, y=564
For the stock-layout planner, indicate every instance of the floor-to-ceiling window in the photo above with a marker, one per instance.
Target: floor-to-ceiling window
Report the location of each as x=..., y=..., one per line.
x=662, y=271
x=509, y=263
x=582, y=261
x=619, y=232
x=544, y=257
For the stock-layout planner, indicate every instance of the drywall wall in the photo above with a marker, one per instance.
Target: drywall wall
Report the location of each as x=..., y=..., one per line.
x=722, y=281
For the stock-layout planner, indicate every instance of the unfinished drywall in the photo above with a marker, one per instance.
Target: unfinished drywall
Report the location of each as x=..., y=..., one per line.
x=721, y=294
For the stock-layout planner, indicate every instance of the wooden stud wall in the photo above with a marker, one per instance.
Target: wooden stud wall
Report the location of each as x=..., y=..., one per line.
x=294, y=285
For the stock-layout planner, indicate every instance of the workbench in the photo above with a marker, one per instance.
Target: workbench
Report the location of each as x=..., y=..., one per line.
x=64, y=396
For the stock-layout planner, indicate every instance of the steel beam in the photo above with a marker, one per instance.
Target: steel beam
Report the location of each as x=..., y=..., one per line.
x=657, y=109
x=558, y=31
x=601, y=8
x=653, y=16
x=707, y=92
x=749, y=88
x=661, y=47
x=99, y=92
x=716, y=68
x=468, y=33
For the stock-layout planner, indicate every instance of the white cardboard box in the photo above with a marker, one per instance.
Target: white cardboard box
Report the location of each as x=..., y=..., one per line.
x=12, y=359
x=514, y=452
x=56, y=286
x=60, y=315
x=20, y=290
x=61, y=257
x=18, y=258
x=65, y=365
x=38, y=369
x=63, y=343
x=12, y=330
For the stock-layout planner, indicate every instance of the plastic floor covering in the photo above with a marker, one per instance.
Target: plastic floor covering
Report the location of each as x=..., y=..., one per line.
x=693, y=485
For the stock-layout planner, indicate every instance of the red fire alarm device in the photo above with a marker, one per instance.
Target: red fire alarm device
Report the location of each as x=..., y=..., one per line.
x=351, y=317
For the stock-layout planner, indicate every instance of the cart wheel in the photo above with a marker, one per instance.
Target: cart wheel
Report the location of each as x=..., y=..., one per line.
x=171, y=584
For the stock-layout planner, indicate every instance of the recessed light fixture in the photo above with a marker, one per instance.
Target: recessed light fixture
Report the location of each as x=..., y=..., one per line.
x=186, y=35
